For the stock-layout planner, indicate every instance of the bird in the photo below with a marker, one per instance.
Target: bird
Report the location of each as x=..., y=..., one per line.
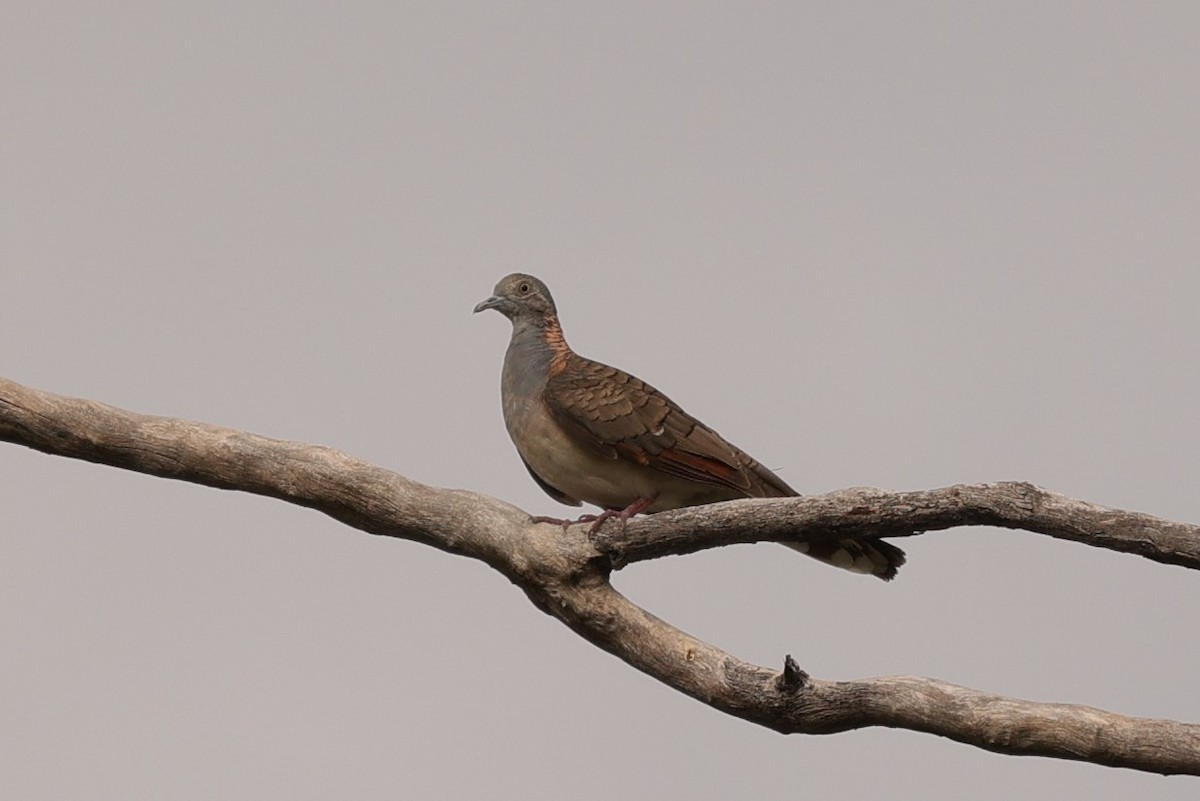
x=587, y=432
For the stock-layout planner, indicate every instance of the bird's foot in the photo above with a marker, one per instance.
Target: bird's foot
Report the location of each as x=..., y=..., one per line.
x=623, y=515
x=559, y=521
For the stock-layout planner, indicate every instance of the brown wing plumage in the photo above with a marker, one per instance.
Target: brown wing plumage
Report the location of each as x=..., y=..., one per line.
x=624, y=417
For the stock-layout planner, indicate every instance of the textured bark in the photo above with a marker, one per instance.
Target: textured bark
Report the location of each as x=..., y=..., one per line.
x=868, y=511
x=566, y=573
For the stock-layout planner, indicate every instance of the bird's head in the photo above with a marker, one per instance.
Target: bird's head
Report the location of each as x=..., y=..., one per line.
x=519, y=296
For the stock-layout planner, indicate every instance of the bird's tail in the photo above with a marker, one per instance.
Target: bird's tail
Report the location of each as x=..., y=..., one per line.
x=865, y=555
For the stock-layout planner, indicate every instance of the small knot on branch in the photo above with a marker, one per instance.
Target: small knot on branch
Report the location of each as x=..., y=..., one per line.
x=792, y=679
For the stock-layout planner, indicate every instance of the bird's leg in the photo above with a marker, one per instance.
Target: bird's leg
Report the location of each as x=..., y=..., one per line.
x=565, y=523
x=560, y=521
x=637, y=507
x=623, y=515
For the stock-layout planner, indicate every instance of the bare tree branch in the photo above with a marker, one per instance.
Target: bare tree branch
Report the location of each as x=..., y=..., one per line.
x=868, y=511
x=566, y=574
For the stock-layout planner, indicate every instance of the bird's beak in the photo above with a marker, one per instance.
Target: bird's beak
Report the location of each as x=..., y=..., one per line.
x=493, y=302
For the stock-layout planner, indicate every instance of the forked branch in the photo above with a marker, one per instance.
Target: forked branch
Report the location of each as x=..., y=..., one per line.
x=566, y=573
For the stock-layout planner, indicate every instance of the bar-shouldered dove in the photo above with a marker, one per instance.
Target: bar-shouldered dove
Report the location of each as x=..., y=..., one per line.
x=590, y=432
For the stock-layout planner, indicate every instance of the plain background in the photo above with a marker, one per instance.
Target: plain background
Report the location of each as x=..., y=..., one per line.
x=891, y=244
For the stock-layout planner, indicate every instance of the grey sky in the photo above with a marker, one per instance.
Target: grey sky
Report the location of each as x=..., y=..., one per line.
x=900, y=245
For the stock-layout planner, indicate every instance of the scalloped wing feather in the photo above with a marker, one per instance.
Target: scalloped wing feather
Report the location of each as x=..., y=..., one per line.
x=622, y=416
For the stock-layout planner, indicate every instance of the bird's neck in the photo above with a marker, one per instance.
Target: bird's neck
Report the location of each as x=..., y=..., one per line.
x=538, y=345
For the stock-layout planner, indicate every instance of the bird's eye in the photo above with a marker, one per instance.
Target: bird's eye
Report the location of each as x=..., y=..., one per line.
x=523, y=289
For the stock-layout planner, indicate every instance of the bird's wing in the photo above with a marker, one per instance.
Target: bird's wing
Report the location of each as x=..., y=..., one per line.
x=623, y=417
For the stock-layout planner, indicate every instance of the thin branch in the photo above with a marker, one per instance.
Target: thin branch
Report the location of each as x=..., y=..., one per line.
x=867, y=511
x=566, y=574
x=803, y=704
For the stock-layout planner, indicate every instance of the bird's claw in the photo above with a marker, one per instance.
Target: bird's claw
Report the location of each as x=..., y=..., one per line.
x=623, y=515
